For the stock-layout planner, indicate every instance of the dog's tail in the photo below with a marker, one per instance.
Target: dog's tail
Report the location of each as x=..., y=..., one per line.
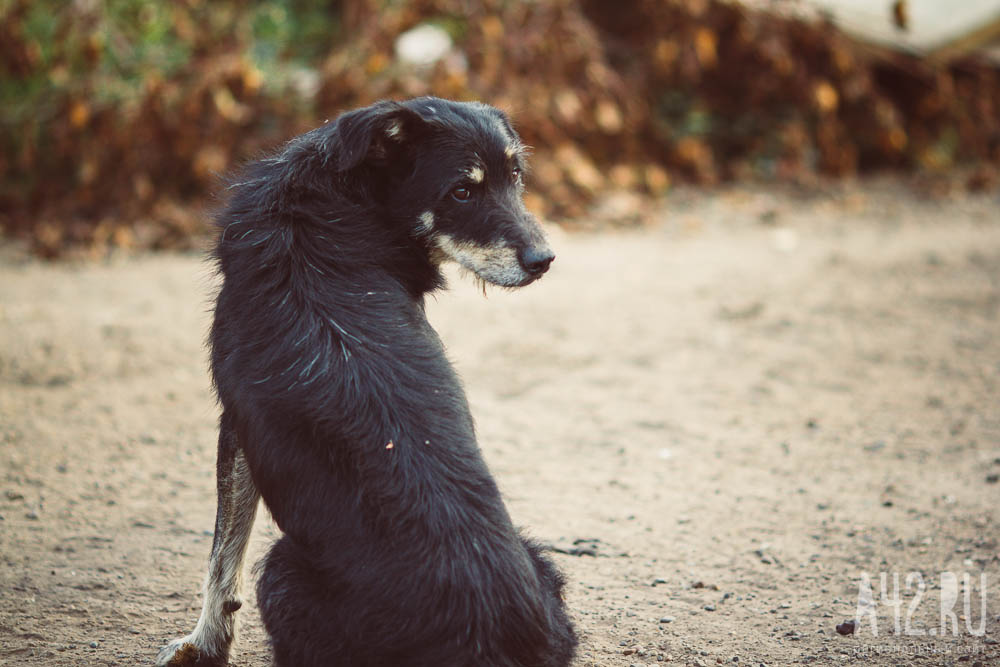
x=560, y=638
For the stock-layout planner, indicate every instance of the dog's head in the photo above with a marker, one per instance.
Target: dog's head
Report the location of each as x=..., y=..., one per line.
x=451, y=172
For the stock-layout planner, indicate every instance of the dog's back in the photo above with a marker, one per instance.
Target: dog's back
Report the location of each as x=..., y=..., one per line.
x=397, y=548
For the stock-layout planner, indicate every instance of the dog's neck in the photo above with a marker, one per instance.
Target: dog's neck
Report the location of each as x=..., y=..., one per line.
x=376, y=249
x=416, y=271
x=412, y=264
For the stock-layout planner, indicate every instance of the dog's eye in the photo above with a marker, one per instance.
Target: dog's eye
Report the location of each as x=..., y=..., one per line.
x=461, y=193
x=516, y=172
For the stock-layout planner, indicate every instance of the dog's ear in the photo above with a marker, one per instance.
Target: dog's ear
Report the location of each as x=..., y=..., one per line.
x=374, y=134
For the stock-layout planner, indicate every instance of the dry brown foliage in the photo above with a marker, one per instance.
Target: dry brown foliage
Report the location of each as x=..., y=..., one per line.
x=102, y=147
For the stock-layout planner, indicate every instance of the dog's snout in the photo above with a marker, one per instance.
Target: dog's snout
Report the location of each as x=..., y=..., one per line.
x=536, y=260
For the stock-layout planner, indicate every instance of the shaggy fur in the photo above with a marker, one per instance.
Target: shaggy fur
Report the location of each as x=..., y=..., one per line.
x=342, y=412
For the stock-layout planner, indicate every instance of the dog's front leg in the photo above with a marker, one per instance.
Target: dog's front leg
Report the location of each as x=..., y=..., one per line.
x=209, y=643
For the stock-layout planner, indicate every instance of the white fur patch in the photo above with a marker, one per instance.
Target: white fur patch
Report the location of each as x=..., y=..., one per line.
x=216, y=628
x=426, y=222
x=395, y=130
x=511, y=150
x=476, y=174
x=495, y=263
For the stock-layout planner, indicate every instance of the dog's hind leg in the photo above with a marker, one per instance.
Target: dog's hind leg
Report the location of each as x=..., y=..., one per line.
x=209, y=643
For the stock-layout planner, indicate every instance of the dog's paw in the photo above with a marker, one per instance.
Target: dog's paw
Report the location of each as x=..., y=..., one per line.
x=183, y=653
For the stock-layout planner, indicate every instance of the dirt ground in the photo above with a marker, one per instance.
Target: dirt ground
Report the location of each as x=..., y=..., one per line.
x=725, y=423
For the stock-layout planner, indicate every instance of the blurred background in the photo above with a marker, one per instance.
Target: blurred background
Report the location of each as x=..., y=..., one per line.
x=119, y=116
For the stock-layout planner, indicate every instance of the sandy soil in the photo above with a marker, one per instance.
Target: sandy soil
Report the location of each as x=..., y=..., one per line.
x=722, y=422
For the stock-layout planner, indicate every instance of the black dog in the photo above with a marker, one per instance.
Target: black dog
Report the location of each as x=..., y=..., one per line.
x=342, y=412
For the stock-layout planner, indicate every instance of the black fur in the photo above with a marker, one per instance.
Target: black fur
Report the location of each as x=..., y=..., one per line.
x=397, y=547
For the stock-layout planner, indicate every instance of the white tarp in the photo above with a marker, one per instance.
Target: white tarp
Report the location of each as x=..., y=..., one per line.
x=931, y=25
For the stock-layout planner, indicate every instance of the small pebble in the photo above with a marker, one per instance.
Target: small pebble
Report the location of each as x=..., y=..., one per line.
x=846, y=628
x=667, y=619
x=93, y=644
x=710, y=607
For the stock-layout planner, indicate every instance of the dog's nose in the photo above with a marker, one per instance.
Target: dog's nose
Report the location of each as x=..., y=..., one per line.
x=536, y=260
